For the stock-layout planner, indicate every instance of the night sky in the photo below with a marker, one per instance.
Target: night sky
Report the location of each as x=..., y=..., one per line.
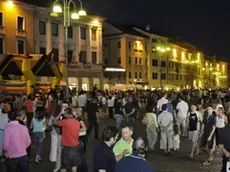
x=204, y=23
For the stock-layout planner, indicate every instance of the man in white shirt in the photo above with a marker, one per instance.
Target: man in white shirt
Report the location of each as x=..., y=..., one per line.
x=160, y=102
x=82, y=100
x=182, y=111
x=165, y=121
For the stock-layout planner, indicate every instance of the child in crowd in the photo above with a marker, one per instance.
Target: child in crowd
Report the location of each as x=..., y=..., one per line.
x=176, y=138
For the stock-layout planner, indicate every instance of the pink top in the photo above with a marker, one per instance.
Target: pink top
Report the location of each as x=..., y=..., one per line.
x=16, y=140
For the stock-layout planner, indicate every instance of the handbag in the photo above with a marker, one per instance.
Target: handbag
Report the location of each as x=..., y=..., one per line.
x=228, y=166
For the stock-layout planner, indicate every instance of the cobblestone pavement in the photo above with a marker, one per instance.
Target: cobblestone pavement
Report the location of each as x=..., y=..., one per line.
x=177, y=162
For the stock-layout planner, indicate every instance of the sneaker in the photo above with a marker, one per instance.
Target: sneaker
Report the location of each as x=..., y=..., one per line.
x=56, y=169
x=207, y=162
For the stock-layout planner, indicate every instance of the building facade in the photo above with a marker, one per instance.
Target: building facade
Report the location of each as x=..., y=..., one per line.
x=84, y=46
x=126, y=49
x=33, y=30
x=166, y=63
x=16, y=28
x=215, y=73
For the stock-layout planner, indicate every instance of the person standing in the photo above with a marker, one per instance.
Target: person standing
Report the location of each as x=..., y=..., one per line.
x=130, y=112
x=150, y=120
x=16, y=142
x=70, y=136
x=124, y=146
x=182, y=112
x=118, y=109
x=92, y=112
x=38, y=129
x=165, y=121
x=103, y=156
x=29, y=109
x=135, y=162
x=207, y=134
x=194, y=126
x=224, y=142
x=221, y=121
x=161, y=102
x=110, y=102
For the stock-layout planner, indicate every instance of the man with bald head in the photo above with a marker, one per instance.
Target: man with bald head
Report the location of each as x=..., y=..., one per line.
x=135, y=162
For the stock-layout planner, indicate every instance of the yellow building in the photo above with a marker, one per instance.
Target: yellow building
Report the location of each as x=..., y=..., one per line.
x=124, y=48
x=168, y=62
x=28, y=28
x=16, y=27
x=215, y=73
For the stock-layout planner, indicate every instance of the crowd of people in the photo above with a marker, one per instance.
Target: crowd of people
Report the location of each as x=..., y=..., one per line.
x=200, y=115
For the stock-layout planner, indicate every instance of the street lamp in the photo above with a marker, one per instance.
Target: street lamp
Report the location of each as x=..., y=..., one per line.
x=163, y=49
x=57, y=8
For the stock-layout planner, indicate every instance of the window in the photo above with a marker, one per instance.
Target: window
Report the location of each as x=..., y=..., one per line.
x=21, y=47
x=20, y=23
x=154, y=62
x=177, y=77
x=1, y=46
x=70, y=55
x=94, y=34
x=42, y=50
x=130, y=74
x=140, y=61
x=146, y=62
x=119, y=44
x=1, y=19
x=54, y=29
x=135, y=60
x=106, y=61
x=180, y=77
x=83, y=33
x=163, y=63
x=70, y=32
x=105, y=44
x=140, y=76
x=154, y=75
x=145, y=74
x=42, y=27
x=163, y=76
x=136, y=75
x=129, y=45
x=82, y=57
x=130, y=60
x=94, y=57
x=56, y=54
x=119, y=60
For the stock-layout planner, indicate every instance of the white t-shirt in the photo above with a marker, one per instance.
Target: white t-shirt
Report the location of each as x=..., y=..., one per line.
x=182, y=108
x=82, y=99
x=160, y=102
x=165, y=118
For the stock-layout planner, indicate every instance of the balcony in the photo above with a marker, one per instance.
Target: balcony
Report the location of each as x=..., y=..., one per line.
x=85, y=70
x=2, y=30
x=20, y=33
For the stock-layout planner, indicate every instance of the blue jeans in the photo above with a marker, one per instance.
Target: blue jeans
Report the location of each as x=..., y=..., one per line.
x=1, y=141
x=119, y=119
x=38, y=140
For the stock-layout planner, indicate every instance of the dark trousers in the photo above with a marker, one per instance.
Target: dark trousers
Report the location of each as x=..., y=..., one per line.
x=96, y=129
x=224, y=164
x=111, y=112
x=83, y=139
x=29, y=116
x=19, y=164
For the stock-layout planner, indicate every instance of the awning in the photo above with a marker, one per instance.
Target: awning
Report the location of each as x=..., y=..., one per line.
x=46, y=66
x=8, y=67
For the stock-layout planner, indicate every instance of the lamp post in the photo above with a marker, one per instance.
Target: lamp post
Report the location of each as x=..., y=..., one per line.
x=67, y=16
x=162, y=50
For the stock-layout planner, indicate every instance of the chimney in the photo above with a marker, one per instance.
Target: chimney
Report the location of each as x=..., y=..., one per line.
x=147, y=27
